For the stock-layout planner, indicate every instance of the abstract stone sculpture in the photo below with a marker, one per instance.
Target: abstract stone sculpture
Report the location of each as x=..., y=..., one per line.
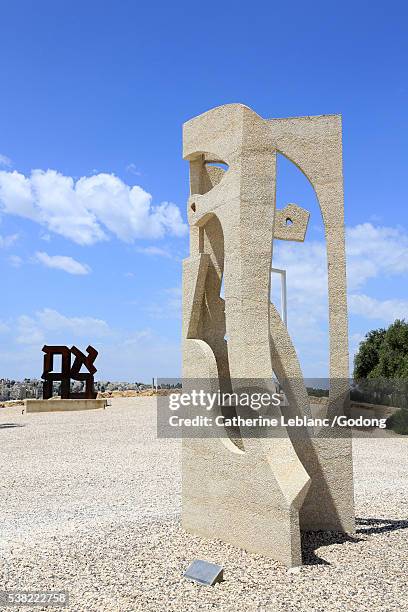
x=259, y=494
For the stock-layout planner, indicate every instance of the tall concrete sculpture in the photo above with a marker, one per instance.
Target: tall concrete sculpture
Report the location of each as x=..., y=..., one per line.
x=260, y=493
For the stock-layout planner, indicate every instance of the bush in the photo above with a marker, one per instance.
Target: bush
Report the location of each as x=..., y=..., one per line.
x=317, y=392
x=381, y=367
x=383, y=353
x=385, y=391
x=398, y=422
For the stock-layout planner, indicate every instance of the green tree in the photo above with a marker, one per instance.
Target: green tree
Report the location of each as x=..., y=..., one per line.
x=368, y=354
x=384, y=353
x=393, y=362
x=381, y=367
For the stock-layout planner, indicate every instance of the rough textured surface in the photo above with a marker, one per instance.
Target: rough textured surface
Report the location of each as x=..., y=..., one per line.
x=91, y=501
x=62, y=405
x=291, y=223
x=261, y=497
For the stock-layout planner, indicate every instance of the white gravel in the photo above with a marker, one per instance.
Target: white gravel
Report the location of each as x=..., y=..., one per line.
x=90, y=503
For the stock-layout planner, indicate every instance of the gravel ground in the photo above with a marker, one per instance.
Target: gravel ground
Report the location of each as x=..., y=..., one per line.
x=90, y=504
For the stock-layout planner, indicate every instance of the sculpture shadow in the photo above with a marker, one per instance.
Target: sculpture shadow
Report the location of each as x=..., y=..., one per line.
x=379, y=525
x=312, y=540
x=10, y=425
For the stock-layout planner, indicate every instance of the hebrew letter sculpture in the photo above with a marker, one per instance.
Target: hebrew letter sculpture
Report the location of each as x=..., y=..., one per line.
x=258, y=495
x=69, y=372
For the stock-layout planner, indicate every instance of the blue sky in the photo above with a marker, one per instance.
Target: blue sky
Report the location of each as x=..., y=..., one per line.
x=95, y=92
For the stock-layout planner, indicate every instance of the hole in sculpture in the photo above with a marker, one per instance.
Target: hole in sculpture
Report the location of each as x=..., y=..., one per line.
x=221, y=165
x=77, y=386
x=222, y=288
x=305, y=264
x=193, y=207
x=211, y=175
x=57, y=363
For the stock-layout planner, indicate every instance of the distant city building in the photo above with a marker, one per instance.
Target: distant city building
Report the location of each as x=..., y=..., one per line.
x=32, y=388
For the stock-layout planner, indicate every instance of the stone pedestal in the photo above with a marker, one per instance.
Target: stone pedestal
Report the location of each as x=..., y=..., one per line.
x=63, y=405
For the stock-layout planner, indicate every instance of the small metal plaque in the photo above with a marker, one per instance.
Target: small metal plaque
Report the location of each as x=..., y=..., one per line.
x=204, y=572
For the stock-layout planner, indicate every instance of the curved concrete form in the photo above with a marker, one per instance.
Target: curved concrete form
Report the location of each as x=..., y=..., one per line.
x=261, y=497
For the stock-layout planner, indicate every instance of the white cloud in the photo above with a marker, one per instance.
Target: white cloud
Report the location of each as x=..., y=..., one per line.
x=8, y=241
x=123, y=354
x=5, y=161
x=16, y=261
x=143, y=354
x=152, y=250
x=374, y=251
x=28, y=331
x=89, y=209
x=383, y=310
x=52, y=327
x=62, y=262
x=371, y=252
x=306, y=271
x=132, y=168
x=306, y=268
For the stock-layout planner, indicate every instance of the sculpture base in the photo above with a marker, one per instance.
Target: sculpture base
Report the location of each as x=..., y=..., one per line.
x=63, y=405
